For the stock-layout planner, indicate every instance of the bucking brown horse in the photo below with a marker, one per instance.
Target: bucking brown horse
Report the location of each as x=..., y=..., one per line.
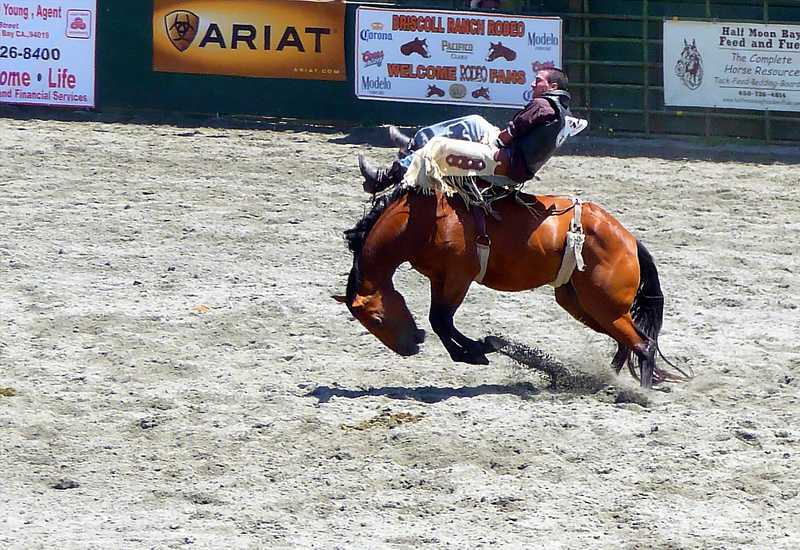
x=618, y=293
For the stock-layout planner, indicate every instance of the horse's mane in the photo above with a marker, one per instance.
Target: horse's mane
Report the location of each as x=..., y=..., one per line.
x=357, y=236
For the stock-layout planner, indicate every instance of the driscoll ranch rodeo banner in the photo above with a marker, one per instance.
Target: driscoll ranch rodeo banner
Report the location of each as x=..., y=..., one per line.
x=452, y=57
x=47, y=53
x=277, y=38
x=732, y=65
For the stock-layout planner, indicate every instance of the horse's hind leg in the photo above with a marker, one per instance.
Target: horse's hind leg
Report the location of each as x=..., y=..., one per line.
x=623, y=354
x=568, y=299
x=610, y=309
x=625, y=333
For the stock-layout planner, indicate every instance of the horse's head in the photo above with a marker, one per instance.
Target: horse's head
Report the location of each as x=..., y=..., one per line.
x=494, y=51
x=433, y=90
x=481, y=92
x=418, y=46
x=498, y=50
x=690, y=51
x=384, y=313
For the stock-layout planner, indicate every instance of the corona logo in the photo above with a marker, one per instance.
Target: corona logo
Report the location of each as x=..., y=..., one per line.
x=181, y=28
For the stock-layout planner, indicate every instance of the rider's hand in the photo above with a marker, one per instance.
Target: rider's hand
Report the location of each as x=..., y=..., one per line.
x=503, y=139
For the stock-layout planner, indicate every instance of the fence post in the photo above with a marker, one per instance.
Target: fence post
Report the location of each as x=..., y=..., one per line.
x=646, y=61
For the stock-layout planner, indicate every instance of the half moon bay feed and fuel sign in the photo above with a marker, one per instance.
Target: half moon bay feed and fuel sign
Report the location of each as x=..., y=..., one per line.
x=297, y=39
x=732, y=65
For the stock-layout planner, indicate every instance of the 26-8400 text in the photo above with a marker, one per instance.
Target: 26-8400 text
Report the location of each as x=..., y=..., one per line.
x=44, y=54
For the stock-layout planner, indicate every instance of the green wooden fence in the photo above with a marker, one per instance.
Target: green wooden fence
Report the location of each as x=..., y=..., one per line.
x=613, y=55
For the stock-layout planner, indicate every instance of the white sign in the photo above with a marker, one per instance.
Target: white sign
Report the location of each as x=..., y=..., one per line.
x=47, y=53
x=453, y=57
x=732, y=65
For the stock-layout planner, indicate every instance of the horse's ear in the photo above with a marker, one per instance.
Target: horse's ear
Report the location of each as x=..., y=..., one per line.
x=339, y=298
x=693, y=43
x=685, y=43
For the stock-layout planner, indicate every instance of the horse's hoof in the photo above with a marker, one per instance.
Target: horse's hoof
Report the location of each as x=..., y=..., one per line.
x=469, y=358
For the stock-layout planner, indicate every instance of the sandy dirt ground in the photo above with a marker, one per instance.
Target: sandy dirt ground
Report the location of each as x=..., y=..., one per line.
x=175, y=374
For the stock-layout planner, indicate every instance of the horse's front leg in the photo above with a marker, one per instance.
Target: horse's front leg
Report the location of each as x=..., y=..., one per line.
x=445, y=300
x=460, y=348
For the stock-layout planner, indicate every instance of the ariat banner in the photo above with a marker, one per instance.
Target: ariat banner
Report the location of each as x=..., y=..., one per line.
x=300, y=39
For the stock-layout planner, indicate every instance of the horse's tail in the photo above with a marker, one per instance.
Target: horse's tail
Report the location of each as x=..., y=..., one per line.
x=648, y=305
x=647, y=310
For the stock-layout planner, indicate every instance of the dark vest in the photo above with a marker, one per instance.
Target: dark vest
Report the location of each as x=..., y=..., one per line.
x=539, y=145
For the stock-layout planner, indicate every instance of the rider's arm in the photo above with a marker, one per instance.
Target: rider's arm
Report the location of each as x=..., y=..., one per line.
x=538, y=112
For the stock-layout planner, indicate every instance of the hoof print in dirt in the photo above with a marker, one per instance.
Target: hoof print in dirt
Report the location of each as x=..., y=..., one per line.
x=612, y=394
x=747, y=437
x=64, y=484
x=150, y=422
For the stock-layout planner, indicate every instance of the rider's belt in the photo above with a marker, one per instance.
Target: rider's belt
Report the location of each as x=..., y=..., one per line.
x=573, y=250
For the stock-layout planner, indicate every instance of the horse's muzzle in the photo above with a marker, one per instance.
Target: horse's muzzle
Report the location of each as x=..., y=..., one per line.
x=411, y=345
x=408, y=349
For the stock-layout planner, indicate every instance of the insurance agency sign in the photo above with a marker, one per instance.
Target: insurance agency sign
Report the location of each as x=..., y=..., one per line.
x=461, y=58
x=47, y=53
x=732, y=65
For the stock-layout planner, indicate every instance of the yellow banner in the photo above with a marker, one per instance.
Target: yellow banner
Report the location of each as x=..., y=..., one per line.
x=260, y=38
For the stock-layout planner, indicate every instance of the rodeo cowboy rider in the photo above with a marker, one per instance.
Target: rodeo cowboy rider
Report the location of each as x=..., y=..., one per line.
x=508, y=158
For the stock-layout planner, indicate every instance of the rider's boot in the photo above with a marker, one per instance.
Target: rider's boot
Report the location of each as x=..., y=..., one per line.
x=400, y=140
x=378, y=179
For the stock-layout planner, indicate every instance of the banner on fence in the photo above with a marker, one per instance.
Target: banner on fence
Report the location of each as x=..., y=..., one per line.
x=47, y=53
x=732, y=65
x=461, y=58
x=298, y=39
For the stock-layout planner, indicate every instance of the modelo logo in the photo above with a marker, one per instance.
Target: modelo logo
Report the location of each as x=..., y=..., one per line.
x=372, y=58
x=366, y=35
x=546, y=39
x=457, y=91
x=374, y=84
x=182, y=28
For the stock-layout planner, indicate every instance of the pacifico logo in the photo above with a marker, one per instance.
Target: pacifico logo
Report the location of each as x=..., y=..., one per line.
x=181, y=28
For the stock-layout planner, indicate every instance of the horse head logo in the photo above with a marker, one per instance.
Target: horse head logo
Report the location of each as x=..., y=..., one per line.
x=482, y=92
x=498, y=50
x=181, y=28
x=434, y=90
x=689, y=67
x=417, y=45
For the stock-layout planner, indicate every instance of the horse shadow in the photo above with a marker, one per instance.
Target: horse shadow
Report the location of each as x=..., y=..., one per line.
x=426, y=394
